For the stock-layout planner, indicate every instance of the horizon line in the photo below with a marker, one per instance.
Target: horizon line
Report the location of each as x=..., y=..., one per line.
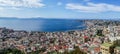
x=53, y=18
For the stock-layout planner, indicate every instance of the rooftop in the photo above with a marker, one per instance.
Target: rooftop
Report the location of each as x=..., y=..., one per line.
x=106, y=44
x=118, y=47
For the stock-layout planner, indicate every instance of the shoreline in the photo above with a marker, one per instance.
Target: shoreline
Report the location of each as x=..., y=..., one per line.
x=60, y=41
x=83, y=27
x=46, y=31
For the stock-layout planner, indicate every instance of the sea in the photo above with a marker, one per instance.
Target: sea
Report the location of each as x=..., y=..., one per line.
x=42, y=25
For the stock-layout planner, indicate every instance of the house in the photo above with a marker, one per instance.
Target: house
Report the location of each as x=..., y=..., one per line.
x=117, y=50
x=105, y=48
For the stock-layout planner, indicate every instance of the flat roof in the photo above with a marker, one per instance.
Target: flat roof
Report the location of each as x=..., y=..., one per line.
x=106, y=44
x=118, y=47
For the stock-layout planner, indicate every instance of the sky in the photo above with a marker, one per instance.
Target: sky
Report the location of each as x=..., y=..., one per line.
x=69, y=9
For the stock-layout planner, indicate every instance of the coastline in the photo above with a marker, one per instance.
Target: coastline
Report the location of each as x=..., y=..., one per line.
x=43, y=25
x=58, y=41
x=47, y=31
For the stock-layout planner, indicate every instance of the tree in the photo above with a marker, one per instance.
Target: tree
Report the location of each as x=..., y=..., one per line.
x=11, y=51
x=116, y=43
x=99, y=33
x=111, y=49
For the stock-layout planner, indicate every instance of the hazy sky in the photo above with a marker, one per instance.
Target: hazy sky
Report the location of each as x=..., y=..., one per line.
x=60, y=8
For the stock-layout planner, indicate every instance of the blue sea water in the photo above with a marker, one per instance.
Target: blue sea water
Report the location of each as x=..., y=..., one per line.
x=44, y=25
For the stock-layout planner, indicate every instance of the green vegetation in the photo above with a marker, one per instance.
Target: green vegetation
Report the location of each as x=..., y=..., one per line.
x=10, y=51
x=99, y=33
x=116, y=43
x=35, y=52
x=111, y=49
x=16, y=51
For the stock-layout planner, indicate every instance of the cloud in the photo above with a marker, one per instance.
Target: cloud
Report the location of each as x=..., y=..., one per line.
x=21, y=3
x=1, y=8
x=15, y=8
x=59, y=3
x=93, y=8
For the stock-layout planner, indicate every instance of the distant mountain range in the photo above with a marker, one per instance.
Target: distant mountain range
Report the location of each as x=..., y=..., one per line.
x=118, y=19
